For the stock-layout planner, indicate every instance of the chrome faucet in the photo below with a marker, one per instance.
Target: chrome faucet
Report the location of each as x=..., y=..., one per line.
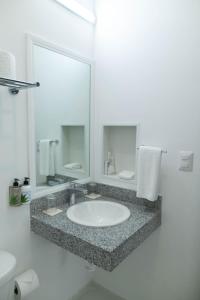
x=75, y=187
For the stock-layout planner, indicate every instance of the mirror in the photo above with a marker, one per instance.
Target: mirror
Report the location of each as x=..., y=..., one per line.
x=61, y=116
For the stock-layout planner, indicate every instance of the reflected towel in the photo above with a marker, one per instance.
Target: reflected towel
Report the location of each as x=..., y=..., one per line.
x=127, y=175
x=149, y=162
x=47, y=158
x=73, y=166
x=52, y=162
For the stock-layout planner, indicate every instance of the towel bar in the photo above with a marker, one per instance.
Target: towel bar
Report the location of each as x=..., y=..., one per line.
x=50, y=141
x=163, y=151
x=15, y=86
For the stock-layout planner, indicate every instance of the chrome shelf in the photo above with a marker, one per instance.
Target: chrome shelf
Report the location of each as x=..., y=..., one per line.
x=15, y=86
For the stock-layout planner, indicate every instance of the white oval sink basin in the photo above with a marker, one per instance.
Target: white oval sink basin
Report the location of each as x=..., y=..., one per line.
x=7, y=266
x=98, y=213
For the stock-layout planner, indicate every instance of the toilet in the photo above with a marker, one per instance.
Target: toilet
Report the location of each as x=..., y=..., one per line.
x=7, y=267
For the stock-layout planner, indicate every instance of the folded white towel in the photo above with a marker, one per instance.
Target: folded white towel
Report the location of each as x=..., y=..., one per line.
x=73, y=166
x=47, y=158
x=149, y=161
x=127, y=175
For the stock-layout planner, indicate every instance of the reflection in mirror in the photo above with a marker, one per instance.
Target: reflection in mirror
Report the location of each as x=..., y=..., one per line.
x=62, y=117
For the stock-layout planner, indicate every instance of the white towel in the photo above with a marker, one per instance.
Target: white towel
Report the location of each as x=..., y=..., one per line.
x=47, y=158
x=126, y=175
x=148, y=174
x=73, y=166
x=7, y=65
x=52, y=157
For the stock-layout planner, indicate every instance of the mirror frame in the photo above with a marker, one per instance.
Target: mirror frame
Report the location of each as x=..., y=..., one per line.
x=33, y=40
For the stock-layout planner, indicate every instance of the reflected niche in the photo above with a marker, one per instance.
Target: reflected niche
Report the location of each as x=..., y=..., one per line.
x=62, y=117
x=74, y=150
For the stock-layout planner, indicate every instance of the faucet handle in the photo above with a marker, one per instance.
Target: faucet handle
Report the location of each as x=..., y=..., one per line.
x=78, y=185
x=72, y=184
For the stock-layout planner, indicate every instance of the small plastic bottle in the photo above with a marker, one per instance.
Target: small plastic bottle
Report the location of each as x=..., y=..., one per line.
x=26, y=191
x=15, y=193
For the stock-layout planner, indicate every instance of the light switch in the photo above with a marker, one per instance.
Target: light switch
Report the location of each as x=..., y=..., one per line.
x=186, y=161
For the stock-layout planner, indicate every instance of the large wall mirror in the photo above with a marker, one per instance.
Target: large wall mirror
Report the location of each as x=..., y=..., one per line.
x=60, y=108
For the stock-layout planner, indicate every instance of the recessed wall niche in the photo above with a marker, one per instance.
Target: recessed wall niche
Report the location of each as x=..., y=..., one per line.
x=119, y=152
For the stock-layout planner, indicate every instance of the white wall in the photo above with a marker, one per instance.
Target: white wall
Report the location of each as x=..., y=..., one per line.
x=89, y=4
x=57, y=269
x=147, y=72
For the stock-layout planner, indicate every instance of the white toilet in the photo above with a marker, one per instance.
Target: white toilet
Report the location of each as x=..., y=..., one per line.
x=7, y=267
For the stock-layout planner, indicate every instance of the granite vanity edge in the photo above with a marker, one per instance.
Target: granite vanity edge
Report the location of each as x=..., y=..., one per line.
x=42, y=229
x=108, y=260
x=91, y=253
x=134, y=241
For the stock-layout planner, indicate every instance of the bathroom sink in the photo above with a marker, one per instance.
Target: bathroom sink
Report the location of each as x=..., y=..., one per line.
x=98, y=213
x=7, y=266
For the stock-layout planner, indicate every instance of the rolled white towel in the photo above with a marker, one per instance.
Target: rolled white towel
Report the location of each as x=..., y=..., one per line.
x=127, y=175
x=73, y=166
x=7, y=65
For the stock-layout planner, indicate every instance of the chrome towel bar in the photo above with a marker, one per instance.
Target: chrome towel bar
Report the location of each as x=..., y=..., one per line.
x=163, y=151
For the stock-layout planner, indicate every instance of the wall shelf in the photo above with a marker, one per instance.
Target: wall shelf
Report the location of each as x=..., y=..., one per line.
x=119, y=152
x=15, y=86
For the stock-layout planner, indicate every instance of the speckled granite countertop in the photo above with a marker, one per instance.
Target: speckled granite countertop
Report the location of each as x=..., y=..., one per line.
x=103, y=247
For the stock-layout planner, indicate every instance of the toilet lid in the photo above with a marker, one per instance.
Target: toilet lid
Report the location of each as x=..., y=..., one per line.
x=7, y=266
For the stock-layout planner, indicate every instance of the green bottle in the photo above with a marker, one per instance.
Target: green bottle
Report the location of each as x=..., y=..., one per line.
x=15, y=193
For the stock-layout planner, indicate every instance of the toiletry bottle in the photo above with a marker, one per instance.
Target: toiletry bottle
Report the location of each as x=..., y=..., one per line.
x=111, y=168
x=26, y=191
x=107, y=164
x=15, y=193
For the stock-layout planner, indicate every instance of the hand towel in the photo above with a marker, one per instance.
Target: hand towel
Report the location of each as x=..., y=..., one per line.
x=52, y=157
x=126, y=175
x=148, y=175
x=47, y=158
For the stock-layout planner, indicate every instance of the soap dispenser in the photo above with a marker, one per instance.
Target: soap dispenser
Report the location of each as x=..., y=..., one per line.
x=15, y=193
x=26, y=191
